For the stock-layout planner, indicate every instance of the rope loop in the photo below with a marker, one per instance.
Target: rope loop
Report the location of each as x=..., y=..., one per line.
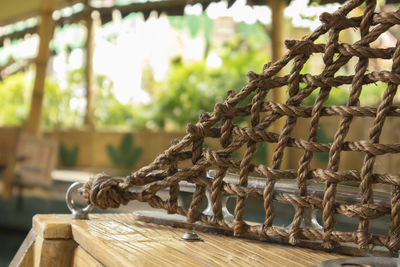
x=105, y=192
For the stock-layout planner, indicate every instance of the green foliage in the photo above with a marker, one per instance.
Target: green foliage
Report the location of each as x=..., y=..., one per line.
x=254, y=34
x=235, y=155
x=68, y=157
x=261, y=153
x=193, y=88
x=110, y=112
x=193, y=24
x=189, y=89
x=337, y=96
x=15, y=94
x=126, y=154
x=68, y=37
x=372, y=93
x=207, y=27
x=15, y=98
x=62, y=107
x=322, y=138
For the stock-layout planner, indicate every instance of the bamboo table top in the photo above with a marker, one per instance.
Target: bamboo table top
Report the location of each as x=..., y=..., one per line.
x=122, y=240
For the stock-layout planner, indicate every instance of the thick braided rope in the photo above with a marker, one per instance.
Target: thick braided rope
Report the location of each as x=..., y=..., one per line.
x=188, y=160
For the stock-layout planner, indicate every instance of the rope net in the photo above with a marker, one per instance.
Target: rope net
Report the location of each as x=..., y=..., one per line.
x=167, y=170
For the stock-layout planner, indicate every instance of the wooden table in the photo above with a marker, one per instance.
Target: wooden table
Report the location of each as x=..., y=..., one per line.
x=122, y=240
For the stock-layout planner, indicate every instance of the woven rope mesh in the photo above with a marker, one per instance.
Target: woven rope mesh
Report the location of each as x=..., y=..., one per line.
x=189, y=160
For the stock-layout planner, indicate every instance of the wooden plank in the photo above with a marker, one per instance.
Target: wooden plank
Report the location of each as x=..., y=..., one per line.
x=177, y=221
x=122, y=240
x=24, y=255
x=53, y=226
x=119, y=239
x=83, y=259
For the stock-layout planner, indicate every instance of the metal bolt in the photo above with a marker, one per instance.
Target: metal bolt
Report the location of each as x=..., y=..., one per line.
x=361, y=262
x=81, y=214
x=191, y=237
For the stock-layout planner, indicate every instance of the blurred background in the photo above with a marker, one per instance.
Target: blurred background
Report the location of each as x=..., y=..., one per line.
x=105, y=85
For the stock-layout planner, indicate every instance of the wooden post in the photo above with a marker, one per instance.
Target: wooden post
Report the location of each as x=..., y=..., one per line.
x=278, y=23
x=90, y=79
x=90, y=96
x=277, y=40
x=45, y=31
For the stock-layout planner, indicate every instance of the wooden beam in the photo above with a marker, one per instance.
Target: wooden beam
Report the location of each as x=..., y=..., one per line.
x=45, y=31
x=19, y=34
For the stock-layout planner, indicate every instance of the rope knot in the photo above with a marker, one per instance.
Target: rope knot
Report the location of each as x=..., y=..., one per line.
x=363, y=239
x=304, y=47
x=393, y=242
x=337, y=21
x=105, y=192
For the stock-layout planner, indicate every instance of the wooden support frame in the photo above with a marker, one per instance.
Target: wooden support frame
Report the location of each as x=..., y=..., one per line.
x=49, y=243
x=46, y=29
x=137, y=240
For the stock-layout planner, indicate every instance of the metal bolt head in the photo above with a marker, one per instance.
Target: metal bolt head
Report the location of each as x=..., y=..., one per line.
x=191, y=237
x=361, y=262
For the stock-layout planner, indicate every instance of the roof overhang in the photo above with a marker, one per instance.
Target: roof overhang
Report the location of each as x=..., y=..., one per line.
x=12, y=11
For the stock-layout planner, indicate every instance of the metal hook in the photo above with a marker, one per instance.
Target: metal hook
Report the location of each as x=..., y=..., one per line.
x=77, y=213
